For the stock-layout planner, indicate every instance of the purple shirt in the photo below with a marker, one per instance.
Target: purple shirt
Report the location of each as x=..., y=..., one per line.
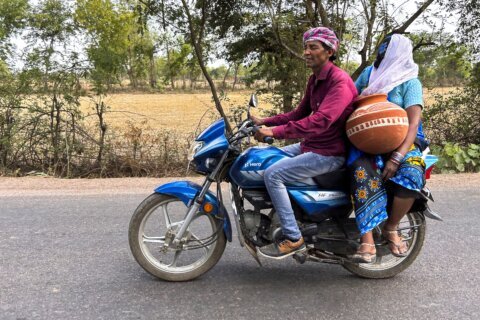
x=321, y=115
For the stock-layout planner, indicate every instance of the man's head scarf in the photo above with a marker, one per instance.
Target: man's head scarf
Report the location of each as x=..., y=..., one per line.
x=324, y=35
x=396, y=67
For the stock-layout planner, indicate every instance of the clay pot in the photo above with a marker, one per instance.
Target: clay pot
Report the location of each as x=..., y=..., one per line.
x=377, y=126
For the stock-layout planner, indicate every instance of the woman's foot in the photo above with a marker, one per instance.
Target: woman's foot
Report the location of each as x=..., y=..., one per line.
x=396, y=244
x=366, y=253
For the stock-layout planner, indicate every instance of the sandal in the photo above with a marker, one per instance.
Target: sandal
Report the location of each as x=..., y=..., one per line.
x=399, y=245
x=363, y=256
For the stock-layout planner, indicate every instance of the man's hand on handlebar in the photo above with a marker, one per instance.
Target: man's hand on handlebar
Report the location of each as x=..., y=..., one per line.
x=262, y=133
x=257, y=121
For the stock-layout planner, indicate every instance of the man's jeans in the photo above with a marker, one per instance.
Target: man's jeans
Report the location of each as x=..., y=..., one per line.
x=302, y=166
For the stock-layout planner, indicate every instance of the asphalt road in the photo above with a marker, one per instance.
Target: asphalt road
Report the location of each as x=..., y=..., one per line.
x=67, y=257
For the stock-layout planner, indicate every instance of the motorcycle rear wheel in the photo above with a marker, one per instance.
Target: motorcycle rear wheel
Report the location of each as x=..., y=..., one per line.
x=159, y=213
x=389, y=266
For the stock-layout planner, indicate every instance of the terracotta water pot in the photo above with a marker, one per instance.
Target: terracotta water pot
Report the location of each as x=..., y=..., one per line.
x=377, y=126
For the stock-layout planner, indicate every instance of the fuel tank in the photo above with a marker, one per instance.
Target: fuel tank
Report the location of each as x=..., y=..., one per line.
x=248, y=169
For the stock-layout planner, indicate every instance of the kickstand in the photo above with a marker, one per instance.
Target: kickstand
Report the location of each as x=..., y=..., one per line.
x=253, y=251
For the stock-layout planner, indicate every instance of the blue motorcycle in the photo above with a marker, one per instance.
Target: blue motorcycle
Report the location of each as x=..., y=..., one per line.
x=180, y=231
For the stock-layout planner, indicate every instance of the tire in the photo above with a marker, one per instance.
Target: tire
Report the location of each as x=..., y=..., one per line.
x=145, y=258
x=370, y=271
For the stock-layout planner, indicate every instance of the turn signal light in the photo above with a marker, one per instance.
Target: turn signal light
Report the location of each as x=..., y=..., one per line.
x=208, y=207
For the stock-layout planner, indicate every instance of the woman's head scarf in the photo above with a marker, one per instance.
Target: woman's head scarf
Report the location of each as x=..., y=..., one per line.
x=393, y=66
x=324, y=35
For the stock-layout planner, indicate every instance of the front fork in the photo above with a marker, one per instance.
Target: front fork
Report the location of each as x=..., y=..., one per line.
x=197, y=202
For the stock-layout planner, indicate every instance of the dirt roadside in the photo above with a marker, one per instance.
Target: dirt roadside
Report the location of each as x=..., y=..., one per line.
x=47, y=186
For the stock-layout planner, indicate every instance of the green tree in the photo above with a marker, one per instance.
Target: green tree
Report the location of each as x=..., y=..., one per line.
x=441, y=60
x=120, y=42
x=13, y=14
x=52, y=72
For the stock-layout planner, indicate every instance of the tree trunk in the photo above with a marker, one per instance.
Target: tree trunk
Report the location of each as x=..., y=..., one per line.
x=100, y=109
x=199, y=53
x=153, y=72
x=287, y=103
x=371, y=16
x=225, y=77
x=235, y=75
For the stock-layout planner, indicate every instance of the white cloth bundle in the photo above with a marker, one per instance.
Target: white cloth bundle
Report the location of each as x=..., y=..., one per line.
x=396, y=67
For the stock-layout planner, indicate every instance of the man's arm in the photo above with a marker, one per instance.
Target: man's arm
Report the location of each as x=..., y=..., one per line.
x=338, y=98
x=300, y=112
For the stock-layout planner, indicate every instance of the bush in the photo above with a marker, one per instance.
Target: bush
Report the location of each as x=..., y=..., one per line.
x=452, y=124
x=455, y=158
x=455, y=118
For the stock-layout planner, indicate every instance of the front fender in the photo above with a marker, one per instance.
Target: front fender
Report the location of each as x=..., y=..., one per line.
x=186, y=192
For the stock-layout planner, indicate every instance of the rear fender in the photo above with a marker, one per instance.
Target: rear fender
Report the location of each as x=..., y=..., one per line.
x=186, y=192
x=430, y=160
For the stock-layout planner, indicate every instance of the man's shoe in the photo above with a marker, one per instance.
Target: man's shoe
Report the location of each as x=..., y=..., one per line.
x=283, y=248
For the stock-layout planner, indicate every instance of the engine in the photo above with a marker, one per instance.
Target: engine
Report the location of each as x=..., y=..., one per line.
x=257, y=216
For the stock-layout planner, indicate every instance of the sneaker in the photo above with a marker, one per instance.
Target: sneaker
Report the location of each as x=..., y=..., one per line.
x=283, y=248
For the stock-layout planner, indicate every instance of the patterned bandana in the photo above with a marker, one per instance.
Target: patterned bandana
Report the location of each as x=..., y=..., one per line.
x=324, y=35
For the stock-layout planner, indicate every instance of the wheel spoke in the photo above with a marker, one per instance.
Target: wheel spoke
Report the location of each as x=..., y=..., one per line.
x=163, y=222
x=166, y=216
x=175, y=258
x=160, y=240
x=379, y=259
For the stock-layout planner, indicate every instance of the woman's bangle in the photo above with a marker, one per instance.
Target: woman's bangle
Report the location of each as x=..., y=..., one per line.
x=395, y=161
x=397, y=156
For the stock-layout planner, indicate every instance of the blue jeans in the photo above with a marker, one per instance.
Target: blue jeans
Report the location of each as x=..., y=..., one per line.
x=302, y=166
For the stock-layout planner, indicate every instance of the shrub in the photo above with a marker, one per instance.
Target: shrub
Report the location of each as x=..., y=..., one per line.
x=455, y=118
x=455, y=158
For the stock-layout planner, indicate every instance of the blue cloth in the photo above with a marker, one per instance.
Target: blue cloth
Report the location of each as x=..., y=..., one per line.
x=410, y=174
x=370, y=196
x=301, y=166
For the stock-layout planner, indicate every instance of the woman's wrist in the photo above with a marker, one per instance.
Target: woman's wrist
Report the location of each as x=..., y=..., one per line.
x=396, y=158
x=394, y=161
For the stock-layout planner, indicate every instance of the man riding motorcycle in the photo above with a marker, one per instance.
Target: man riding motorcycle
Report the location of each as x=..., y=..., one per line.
x=319, y=120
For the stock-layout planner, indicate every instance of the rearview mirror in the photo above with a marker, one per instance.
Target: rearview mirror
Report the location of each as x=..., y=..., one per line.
x=253, y=101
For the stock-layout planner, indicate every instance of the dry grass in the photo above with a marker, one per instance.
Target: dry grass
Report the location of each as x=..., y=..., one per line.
x=172, y=111
x=429, y=93
x=182, y=112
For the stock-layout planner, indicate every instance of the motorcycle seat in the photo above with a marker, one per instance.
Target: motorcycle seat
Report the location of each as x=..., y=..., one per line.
x=338, y=179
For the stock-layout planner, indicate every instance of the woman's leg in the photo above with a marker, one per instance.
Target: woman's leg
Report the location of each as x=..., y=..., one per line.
x=370, y=203
x=367, y=243
x=400, y=208
x=408, y=180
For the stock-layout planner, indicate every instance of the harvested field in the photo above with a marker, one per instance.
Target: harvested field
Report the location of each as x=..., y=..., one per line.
x=182, y=112
x=173, y=111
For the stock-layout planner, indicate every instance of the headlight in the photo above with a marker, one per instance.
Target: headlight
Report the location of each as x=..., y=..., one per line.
x=211, y=163
x=196, y=146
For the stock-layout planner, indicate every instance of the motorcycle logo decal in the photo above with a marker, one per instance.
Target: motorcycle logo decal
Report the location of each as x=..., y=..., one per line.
x=252, y=164
x=324, y=195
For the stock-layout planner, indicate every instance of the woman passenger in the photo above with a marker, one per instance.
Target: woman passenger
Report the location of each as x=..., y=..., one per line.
x=393, y=72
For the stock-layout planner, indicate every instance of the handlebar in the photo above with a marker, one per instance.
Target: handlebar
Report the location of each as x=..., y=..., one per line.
x=247, y=128
x=268, y=140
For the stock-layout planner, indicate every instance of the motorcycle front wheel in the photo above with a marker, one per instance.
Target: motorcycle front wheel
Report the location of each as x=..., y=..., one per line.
x=386, y=265
x=154, y=222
